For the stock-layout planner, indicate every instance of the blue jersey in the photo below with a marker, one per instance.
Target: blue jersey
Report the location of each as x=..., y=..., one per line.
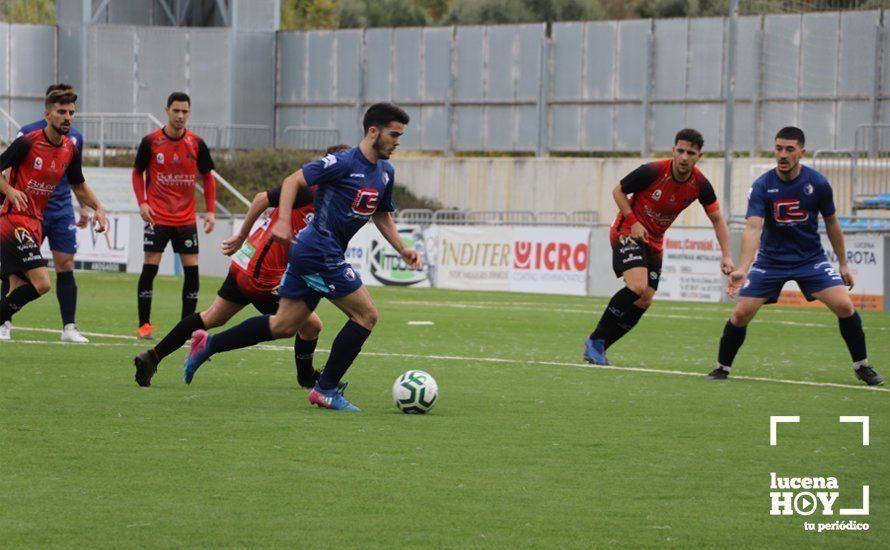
x=350, y=190
x=60, y=200
x=790, y=212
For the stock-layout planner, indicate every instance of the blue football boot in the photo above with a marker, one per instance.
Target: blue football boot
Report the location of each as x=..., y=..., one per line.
x=595, y=352
x=199, y=352
x=331, y=399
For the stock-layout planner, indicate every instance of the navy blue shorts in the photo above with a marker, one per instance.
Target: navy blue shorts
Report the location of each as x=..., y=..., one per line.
x=311, y=276
x=765, y=280
x=61, y=230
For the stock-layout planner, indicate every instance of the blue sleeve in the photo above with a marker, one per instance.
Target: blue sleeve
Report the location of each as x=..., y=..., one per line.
x=386, y=203
x=756, y=200
x=826, y=199
x=327, y=169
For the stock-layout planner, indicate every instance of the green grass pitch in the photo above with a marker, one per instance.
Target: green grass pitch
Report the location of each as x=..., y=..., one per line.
x=526, y=447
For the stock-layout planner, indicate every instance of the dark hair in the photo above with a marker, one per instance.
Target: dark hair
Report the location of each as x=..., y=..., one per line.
x=59, y=97
x=178, y=96
x=59, y=86
x=792, y=132
x=381, y=114
x=339, y=148
x=691, y=135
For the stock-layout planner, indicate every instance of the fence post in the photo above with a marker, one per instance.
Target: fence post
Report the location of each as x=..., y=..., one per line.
x=101, y=141
x=451, y=123
x=543, y=146
x=729, y=126
x=645, y=148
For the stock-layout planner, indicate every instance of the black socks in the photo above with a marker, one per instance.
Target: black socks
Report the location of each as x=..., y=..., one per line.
x=145, y=292
x=851, y=331
x=10, y=305
x=178, y=336
x=190, y=290
x=620, y=316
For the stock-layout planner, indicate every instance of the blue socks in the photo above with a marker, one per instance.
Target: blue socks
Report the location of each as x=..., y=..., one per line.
x=344, y=350
x=250, y=332
x=66, y=292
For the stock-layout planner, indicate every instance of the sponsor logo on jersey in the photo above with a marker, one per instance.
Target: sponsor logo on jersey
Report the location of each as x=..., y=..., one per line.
x=789, y=211
x=23, y=236
x=356, y=175
x=656, y=195
x=366, y=201
x=159, y=158
x=38, y=163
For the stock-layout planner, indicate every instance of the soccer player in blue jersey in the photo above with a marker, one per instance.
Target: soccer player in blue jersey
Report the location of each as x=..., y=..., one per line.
x=352, y=187
x=60, y=227
x=783, y=209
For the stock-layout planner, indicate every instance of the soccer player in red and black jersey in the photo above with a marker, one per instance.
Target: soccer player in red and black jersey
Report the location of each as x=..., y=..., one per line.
x=658, y=191
x=164, y=176
x=37, y=161
x=258, y=264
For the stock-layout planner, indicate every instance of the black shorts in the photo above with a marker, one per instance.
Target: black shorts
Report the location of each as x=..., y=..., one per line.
x=184, y=238
x=628, y=253
x=231, y=292
x=20, y=239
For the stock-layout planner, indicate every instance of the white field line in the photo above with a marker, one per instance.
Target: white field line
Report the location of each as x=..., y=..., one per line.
x=271, y=347
x=592, y=312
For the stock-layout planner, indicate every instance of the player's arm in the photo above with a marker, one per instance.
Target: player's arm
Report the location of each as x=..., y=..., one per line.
x=259, y=205
x=140, y=185
x=387, y=227
x=750, y=242
x=635, y=182
x=84, y=194
x=14, y=155
x=205, y=166
x=281, y=231
x=836, y=238
x=708, y=198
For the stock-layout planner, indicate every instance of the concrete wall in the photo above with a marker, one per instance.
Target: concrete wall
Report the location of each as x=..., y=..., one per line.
x=561, y=184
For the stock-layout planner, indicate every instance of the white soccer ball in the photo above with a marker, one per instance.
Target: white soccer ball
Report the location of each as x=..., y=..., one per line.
x=415, y=392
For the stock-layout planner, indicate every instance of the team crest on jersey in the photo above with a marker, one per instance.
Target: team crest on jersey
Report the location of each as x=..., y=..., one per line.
x=159, y=158
x=385, y=178
x=73, y=141
x=23, y=236
x=176, y=159
x=808, y=189
x=349, y=274
x=38, y=163
x=53, y=167
x=656, y=195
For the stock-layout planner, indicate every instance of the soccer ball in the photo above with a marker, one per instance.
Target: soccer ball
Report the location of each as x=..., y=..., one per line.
x=415, y=392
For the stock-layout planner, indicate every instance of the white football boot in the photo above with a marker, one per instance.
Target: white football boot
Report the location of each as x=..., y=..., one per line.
x=70, y=333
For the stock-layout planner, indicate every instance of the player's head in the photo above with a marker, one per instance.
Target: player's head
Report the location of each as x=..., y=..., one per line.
x=178, y=108
x=790, y=142
x=384, y=124
x=688, y=144
x=59, y=108
x=339, y=148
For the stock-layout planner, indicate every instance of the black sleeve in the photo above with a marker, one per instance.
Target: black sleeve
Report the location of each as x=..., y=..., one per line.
x=15, y=153
x=274, y=196
x=143, y=155
x=639, y=179
x=74, y=173
x=706, y=193
x=205, y=163
x=305, y=197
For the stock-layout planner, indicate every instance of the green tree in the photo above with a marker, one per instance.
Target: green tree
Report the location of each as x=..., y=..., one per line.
x=309, y=14
x=33, y=12
x=488, y=12
x=382, y=13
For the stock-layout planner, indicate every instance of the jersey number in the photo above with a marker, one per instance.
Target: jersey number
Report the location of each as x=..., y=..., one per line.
x=789, y=211
x=366, y=201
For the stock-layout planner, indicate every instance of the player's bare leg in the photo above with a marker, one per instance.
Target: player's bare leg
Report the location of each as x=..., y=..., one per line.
x=838, y=301
x=734, y=335
x=145, y=293
x=35, y=284
x=190, y=284
x=66, y=293
x=622, y=313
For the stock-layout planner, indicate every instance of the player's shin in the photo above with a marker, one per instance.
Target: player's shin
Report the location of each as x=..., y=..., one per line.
x=620, y=316
x=730, y=343
x=304, y=352
x=190, y=287
x=250, y=332
x=145, y=292
x=344, y=350
x=66, y=292
x=854, y=337
x=16, y=300
x=178, y=336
